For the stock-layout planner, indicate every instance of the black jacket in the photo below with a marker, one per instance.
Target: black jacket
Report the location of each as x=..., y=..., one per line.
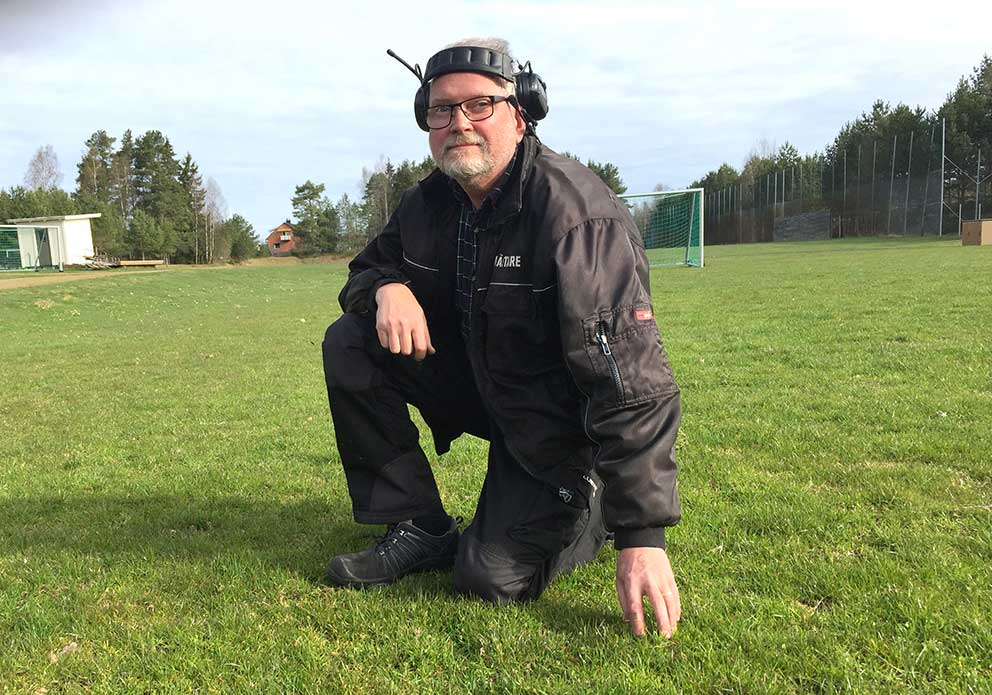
x=564, y=346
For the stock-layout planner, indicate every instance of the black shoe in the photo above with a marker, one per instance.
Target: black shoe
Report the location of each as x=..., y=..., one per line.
x=403, y=550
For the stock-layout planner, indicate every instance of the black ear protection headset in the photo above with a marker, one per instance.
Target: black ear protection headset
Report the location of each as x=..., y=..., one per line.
x=531, y=92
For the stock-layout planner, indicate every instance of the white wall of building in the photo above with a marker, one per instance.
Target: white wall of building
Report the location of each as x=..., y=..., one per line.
x=77, y=242
x=28, y=245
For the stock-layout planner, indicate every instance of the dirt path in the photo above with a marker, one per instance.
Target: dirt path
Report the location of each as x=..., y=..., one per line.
x=56, y=278
x=52, y=278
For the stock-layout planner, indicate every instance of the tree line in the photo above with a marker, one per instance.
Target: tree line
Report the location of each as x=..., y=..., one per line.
x=152, y=204
x=966, y=113
x=345, y=227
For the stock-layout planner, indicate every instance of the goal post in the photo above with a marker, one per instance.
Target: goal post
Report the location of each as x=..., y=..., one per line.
x=671, y=225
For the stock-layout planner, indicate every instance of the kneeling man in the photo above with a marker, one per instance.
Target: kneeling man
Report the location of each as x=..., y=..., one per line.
x=507, y=297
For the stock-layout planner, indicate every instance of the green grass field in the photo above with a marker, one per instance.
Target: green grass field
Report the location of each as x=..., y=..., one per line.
x=170, y=493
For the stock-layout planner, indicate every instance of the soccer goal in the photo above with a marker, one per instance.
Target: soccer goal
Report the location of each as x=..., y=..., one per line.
x=671, y=224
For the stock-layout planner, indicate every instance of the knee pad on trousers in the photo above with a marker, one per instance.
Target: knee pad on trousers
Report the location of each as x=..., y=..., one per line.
x=484, y=572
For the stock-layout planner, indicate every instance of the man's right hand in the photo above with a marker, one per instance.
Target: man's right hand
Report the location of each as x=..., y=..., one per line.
x=400, y=322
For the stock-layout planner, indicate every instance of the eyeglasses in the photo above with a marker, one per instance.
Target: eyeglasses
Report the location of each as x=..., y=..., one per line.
x=475, y=109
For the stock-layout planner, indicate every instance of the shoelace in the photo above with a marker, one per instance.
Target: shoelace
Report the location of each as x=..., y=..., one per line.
x=385, y=542
x=394, y=555
x=388, y=540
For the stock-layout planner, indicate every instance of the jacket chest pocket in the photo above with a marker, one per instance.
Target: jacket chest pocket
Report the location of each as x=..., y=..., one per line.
x=520, y=329
x=423, y=277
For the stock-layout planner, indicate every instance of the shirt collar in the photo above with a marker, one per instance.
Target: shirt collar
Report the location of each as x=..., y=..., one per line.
x=495, y=194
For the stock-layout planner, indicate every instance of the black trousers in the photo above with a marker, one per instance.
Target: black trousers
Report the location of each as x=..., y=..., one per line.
x=523, y=534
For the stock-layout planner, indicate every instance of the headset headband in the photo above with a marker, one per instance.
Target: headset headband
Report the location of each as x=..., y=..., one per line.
x=531, y=92
x=469, y=59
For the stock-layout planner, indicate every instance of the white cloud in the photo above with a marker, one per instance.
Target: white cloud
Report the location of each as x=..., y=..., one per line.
x=265, y=95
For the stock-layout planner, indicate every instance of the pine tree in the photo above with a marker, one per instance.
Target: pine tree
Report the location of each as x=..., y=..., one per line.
x=317, y=226
x=242, y=238
x=144, y=236
x=190, y=243
x=21, y=202
x=352, y=237
x=609, y=174
x=95, y=169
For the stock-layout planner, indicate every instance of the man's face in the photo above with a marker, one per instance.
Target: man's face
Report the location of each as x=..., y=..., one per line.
x=474, y=152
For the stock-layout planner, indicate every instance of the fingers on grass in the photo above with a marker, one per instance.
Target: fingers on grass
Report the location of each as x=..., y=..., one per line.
x=674, y=602
x=622, y=599
x=632, y=604
x=661, y=616
x=635, y=610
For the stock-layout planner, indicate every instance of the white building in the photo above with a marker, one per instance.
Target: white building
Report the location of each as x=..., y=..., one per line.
x=46, y=242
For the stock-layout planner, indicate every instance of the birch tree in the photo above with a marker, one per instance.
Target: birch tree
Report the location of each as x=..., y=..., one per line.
x=43, y=170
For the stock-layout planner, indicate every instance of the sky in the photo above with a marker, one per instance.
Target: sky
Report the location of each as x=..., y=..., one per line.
x=266, y=95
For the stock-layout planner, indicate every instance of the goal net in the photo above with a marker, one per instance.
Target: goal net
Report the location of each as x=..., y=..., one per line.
x=671, y=224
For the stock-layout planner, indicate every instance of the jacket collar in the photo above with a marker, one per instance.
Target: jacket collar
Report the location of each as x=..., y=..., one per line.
x=437, y=192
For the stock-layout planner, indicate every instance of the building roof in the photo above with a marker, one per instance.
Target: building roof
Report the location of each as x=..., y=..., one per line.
x=55, y=218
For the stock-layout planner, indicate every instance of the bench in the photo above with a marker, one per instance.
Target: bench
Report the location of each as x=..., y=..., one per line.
x=143, y=264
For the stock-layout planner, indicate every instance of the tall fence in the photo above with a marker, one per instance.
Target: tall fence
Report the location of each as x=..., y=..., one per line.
x=907, y=185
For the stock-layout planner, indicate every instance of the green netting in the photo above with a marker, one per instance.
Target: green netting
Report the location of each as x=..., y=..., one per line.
x=671, y=225
x=10, y=250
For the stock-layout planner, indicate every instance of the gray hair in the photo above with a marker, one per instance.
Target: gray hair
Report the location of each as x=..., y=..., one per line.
x=493, y=43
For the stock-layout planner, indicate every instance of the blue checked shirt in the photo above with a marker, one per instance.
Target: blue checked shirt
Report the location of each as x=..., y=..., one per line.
x=470, y=223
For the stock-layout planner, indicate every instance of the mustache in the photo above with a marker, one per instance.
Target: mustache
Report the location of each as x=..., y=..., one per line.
x=465, y=139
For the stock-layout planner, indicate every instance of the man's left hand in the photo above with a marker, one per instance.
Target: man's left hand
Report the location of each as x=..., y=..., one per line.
x=646, y=572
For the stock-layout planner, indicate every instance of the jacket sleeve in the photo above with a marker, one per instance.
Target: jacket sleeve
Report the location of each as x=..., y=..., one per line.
x=615, y=354
x=378, y=264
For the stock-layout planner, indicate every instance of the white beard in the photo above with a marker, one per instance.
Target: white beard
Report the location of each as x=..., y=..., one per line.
x=465, y=166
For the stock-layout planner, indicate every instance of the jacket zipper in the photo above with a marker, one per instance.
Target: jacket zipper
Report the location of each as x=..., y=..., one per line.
x=604, y=346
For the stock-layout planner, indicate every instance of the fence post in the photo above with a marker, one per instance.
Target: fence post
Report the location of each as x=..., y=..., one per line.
x=892, y=180
x=978, y=179
x=874, y=213
x=843, y=205
x=926, y=185
x=909, y=168
x=769, y=206
x=943, y=132
x=833, y=171
x=801, y=210
x=857, y=201
x=753, y=212
x=740, y=209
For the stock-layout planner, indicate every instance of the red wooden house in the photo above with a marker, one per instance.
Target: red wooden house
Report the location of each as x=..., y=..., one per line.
x=281, y=240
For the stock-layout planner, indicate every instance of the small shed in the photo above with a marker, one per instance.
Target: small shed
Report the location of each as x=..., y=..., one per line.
x=976, y=233
x=46, y=242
